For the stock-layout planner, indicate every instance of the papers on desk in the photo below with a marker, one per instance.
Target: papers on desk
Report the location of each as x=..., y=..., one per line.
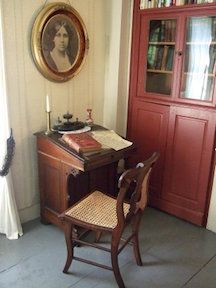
x=110, y=139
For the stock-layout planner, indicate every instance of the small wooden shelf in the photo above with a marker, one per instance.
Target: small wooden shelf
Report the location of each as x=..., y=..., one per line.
x=197, y=73
x=159, y=71
x=161, y=43
x=201, y=43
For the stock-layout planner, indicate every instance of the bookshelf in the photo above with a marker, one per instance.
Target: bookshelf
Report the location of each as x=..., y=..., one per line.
x=194, y=55
x=161, y=47
x=172, y=103
x=159, y=71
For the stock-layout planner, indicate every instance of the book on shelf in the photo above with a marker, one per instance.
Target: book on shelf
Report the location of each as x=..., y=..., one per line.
x=213, y=28
x=164, y=57
x=212, y=53
x=163, y=30
x=173, y=31
x=150, y=3
x=154, y=35
x=201, y=1
x=145, y=4
x=214, y=69
x=210, y=89
x=180, y=2
x=168, y=3
x=81, y=142
x=168, y=28
x=169, y=62
x=152, y=52
x=159, y=57
x=187, y=58
x=142, y=4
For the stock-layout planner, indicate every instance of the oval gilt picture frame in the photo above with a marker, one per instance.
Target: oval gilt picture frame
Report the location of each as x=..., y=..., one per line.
x=59, y=42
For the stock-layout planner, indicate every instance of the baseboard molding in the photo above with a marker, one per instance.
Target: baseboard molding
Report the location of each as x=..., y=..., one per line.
x=29, y=213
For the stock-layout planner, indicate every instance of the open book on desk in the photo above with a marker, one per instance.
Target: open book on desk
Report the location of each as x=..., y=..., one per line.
x=109, y=139
x=95, y=142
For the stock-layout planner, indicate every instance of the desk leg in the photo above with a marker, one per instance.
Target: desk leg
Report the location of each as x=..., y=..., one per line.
x=44, y=221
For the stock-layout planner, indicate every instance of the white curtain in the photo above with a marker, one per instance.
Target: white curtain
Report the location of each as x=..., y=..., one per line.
x=9, y=218
x=197, y=86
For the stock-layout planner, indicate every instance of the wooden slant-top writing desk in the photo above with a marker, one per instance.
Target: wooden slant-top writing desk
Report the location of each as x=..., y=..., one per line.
x=66, y=176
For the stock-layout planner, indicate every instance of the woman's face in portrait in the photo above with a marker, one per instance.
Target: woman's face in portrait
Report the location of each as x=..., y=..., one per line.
x=61, y=39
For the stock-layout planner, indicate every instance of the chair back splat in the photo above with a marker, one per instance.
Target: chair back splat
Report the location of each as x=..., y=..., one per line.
x=136, y=181
x=103, y=213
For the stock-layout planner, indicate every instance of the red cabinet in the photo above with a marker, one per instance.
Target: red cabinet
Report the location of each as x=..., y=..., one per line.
x=172, y=103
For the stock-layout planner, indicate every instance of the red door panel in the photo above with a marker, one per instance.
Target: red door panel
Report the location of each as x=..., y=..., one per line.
x=149, y=133
x=188, y=162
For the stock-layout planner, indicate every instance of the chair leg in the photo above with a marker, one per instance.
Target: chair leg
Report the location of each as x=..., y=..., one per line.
x=97, y=236
x=135, y=228
x=115, y=266
x=137, y=250
x=68, y=238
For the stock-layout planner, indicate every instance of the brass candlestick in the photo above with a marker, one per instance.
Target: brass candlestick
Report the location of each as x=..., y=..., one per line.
x=48, y=131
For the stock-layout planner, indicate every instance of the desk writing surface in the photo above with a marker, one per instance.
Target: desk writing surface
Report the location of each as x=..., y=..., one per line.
x=87, y=161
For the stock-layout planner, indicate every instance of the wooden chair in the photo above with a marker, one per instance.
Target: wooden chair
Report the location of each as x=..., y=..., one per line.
x=102, y=213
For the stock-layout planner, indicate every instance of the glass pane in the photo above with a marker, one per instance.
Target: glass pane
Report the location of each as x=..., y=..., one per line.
x=161, y=49
x=199, y=62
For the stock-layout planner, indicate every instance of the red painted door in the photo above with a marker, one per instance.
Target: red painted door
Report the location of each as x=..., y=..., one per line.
x=149, y=131
x=190, y=145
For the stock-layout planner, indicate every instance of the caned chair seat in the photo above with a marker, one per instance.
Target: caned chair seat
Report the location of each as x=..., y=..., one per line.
x=97, y=209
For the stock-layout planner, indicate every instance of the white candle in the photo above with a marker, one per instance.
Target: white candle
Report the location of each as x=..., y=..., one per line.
x=48, y=103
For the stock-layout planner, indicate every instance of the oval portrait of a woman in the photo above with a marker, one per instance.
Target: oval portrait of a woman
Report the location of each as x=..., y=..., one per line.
x=60, y=43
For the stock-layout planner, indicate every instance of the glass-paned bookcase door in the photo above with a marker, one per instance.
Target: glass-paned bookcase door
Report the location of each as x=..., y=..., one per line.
x=161, y=49
x=198, y=77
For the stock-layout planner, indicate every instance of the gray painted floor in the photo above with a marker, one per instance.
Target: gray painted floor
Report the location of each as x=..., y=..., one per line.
x=174, y=253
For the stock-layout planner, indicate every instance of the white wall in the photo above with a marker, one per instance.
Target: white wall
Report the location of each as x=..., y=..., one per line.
x=112, y=51
x=211, y=224
x=117, y=63
x=27, y=89
x=124, y=67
